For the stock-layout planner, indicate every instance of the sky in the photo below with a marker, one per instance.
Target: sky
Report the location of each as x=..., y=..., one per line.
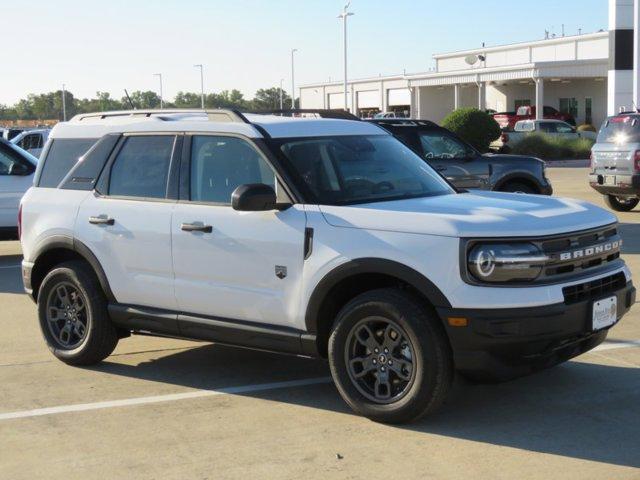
x=110, y=45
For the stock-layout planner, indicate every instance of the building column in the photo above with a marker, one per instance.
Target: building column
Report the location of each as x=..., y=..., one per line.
x=482, y=95
x=353, y=100
x=456, y=96
x=621, y=56
x=539, y=98
x=636, y=54
x=415, y=103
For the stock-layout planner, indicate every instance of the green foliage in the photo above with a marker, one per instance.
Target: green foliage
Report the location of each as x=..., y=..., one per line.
x=586, y=128
x=553, y=148
x=475, y=126
x=48, y=106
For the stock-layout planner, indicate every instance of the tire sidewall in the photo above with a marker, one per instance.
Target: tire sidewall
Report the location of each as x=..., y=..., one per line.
x=51, y=280
x=613, y=202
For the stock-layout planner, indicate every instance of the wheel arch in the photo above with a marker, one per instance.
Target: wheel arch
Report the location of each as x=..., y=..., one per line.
x=357, y=276
x=520, y=177
x=59, y=249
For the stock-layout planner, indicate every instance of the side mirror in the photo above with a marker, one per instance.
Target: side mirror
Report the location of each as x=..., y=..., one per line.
x=253, y=197
x=18, y=169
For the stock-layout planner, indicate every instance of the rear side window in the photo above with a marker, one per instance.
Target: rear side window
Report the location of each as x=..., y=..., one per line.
x=141, y=168
x=63, y=155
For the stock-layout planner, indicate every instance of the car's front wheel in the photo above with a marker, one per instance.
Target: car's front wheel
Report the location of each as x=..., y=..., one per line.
x=390, y=357
x=72, y=310
x=620, y=204
x=517, y=187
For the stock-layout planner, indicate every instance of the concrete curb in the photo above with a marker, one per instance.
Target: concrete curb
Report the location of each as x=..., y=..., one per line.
x=573, y=163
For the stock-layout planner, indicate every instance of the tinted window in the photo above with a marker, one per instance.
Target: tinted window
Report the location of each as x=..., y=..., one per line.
x=31, y=141
x=63, y=155
x=220, y=164
x=141, y=168
x=10, y=164
x=564, y=128
x=441, y=145
x=547, y=127
x=360, y=169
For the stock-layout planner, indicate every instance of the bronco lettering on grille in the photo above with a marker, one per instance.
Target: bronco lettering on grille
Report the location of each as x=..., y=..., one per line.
x=591, y=251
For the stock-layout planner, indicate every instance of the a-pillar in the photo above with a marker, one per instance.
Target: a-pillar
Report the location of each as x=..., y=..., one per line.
x=621, y=55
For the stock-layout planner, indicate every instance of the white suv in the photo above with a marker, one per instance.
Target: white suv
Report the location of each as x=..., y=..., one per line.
x=317, y=237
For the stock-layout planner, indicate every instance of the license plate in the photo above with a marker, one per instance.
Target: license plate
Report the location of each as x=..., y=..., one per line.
x=605, y=312
x=609, y=179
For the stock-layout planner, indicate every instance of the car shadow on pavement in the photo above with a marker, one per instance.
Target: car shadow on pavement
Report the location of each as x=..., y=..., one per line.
x=630, y=233
x=10, y=274
x=578, y=410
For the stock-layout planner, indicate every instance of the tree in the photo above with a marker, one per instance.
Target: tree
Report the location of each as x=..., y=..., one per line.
x=146, y=99
x=188, y=100
x=475, y=126
x=227, y=99
x=269, y=99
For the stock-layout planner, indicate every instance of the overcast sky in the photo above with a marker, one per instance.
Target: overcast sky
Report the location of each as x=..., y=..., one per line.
x=110, y=45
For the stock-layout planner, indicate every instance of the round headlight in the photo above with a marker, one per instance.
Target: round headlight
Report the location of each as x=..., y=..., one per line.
x=505, y=262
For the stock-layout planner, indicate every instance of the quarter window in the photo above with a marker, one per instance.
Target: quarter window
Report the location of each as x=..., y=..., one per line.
x=141, y=168
x=63, y=155
x=221, y=164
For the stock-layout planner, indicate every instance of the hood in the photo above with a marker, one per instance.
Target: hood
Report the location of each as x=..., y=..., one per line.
x=474, y=214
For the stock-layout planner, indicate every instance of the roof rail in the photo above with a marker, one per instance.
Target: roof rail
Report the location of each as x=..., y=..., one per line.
x=300, y=112
x=405, y=121
x=214, y=115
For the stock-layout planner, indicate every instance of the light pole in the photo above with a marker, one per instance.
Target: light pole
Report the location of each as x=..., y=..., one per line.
x=159, y=75
x=201, y=84
x=344, y=16
x=293, y=83
x=64, y=103
x=281, y=99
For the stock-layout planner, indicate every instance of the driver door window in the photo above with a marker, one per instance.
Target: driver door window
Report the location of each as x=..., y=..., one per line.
x=441, y=146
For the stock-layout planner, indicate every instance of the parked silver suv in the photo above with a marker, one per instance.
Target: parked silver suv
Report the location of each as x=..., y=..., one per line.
x=615, y=161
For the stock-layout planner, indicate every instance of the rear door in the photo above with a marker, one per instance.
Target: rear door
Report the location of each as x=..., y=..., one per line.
x=127, y=222
x=454, y=159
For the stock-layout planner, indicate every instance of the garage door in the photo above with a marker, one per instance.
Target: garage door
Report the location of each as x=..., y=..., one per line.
x=368, y=99
x=336, y=100
x=399, y=96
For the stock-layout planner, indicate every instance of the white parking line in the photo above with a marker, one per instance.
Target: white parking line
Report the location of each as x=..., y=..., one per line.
x=83, y=407
x=612, y=345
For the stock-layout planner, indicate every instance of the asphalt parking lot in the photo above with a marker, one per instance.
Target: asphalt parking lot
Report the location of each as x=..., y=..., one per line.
x=162, y=408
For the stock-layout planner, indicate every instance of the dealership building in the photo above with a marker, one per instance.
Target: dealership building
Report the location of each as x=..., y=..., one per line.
x=567, y=73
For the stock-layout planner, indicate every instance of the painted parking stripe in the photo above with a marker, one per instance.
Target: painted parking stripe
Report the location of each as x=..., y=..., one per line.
x=172, y=397
x=612, y=345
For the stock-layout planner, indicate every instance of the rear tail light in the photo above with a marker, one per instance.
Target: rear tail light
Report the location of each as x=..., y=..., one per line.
x=504, y=138
x=20, y=222
x=636, y=161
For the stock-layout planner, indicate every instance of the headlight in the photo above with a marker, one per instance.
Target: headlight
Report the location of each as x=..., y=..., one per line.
x=505, y=262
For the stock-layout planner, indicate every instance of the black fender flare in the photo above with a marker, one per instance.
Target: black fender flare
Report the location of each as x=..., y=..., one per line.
x=375, y=266
x=69, y=243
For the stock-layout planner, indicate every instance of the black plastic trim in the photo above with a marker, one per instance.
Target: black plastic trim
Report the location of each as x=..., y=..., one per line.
x=308, y=242
x=85, y=173
x=374, y=266
x=621, y=58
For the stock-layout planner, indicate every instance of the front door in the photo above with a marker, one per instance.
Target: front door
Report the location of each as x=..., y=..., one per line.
x=228, y=264
x=455, y=160
x=16, y=176
x=128, y=225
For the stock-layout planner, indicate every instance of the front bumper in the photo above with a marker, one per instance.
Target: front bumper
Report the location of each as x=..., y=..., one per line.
x=624, y=184
x=502, y=343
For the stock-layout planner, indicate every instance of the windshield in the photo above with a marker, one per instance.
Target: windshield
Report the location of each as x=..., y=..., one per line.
x=360, y=169
x=624, y=129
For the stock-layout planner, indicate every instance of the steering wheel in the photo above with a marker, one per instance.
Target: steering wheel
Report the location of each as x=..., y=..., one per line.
x=383, y=187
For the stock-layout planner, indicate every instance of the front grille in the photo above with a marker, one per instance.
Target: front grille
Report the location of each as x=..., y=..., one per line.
x=580, y=252
x=593, y=288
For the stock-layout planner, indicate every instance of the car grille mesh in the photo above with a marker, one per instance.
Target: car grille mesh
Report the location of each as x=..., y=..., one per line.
x=593, y=288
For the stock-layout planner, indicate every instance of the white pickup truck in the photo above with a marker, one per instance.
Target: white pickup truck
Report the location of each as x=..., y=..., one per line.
x=523, y=128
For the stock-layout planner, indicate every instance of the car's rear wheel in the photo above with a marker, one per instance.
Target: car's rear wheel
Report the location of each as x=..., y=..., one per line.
x=73, y=316
x=517, y=187
x=621, y=204
x=390, y=357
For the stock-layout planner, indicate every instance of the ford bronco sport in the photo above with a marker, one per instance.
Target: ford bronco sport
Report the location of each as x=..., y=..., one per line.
x=317, y=237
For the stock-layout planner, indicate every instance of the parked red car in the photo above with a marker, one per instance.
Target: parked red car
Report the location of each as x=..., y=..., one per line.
x=507, y=120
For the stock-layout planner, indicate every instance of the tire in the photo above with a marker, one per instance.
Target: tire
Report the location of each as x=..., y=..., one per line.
x=421, y=344
x=620, y=205
x=517, y=187
x=72, y=310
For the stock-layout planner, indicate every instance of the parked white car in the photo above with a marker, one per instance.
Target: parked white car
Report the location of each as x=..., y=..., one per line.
x=32, y=141
x=316, y=237
x=552, y=128
x=17, y=168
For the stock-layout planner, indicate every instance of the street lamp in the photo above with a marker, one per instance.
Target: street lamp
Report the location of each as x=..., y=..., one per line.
x=201, y=84
x=293, y=83
x=344, y=16
x=281, y=99
x=64, y=103
x=159, y=75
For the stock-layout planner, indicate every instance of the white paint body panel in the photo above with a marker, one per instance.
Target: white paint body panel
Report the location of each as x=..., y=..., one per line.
x=12, y=188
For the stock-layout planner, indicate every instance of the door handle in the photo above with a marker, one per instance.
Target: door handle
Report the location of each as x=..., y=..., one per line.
x=101, y=220
x=196, y=227
x=440, y=168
